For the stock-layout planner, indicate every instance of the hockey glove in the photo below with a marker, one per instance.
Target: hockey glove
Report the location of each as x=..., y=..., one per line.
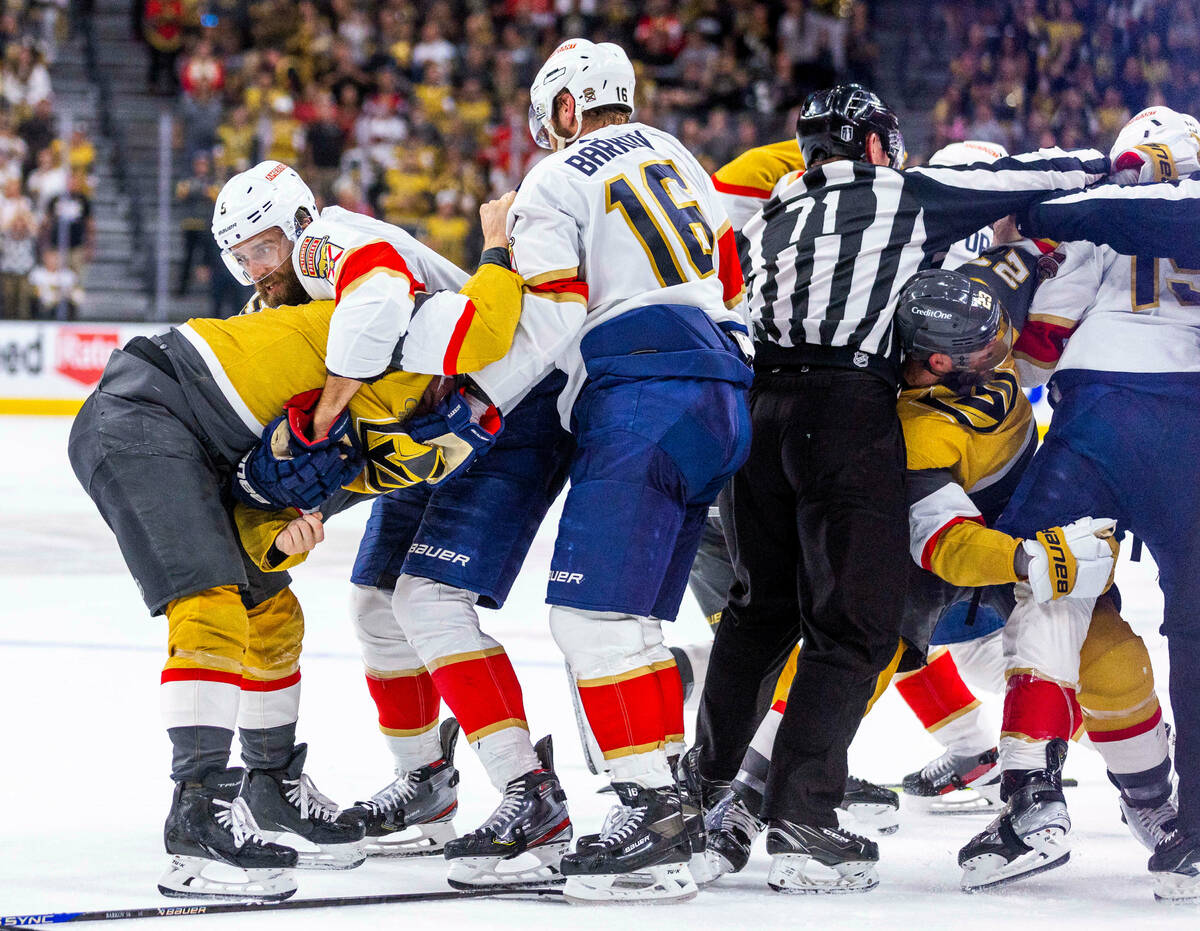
x=462, y=426
x=286, y=469
x=1076, y=561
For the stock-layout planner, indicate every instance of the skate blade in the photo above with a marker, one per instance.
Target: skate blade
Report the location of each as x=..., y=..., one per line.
x=310, y=856
x=663, y=884
x=800, y=874
x=958, y=802
x=185, y=878
x=1176, y=889
x=708, y=867
x=536, y=868
x=1051, y=849
x=877, y=819
x=429, y=841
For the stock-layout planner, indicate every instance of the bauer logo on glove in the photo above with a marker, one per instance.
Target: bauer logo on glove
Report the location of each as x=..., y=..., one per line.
x=462, y=425
x=1074, y=561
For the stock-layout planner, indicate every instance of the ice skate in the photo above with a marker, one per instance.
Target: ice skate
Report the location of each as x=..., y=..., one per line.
x=217, y=851
x=806, y=859
x=1150, y=822
x=1175, y=867
x=523, y=840
x=869, y=807
x=955, y=783
x=413, y=816
x=1030, y=835
x=640, y=855
x=732, y=830
x=290, y=810
x=696, y=796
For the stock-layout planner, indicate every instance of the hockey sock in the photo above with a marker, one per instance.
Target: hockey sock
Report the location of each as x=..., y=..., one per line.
x=1036, y=710
x=408, y=707
x=1116, y=692
x=662, y=661
x=619, y=689
x=751, y=780
x=270, y=700
x=471, y=672
x=201, y=680
x=944, y=705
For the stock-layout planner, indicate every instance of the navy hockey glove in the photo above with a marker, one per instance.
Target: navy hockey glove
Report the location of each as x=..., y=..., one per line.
x=462, y=426
x=287, y=470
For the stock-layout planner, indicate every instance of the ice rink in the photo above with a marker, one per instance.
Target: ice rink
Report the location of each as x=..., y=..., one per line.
x=85, y=788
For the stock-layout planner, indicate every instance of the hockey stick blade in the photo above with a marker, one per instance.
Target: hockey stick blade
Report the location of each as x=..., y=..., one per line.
x=225, y=908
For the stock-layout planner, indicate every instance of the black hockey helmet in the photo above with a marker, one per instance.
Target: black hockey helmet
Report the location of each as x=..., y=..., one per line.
x=837, y=121
x=945, y=311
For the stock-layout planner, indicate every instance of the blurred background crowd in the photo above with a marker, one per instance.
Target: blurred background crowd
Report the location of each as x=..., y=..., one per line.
x=415, y=111
x=45, y=182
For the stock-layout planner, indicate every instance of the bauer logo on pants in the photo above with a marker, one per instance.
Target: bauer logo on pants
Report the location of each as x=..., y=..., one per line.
x=570, y=578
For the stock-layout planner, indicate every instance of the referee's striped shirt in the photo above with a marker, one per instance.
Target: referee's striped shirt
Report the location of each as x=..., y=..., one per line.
x=829, y=252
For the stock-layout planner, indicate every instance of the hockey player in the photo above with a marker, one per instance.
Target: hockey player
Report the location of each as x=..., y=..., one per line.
x=622, y=221
x=156, y=446
x=422, y=564
x=1125, y=427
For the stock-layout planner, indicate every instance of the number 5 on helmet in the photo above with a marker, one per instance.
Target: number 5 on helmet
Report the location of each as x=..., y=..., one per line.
x=1077, y=560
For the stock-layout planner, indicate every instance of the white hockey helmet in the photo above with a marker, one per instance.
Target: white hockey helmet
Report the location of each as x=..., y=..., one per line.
x=268, y=195
x=1167, y=141
x=967, y=152
x=596, y=75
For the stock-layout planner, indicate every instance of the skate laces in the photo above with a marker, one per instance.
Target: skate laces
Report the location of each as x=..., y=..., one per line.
x=510, y=805
x=399, y=791
x=308, y=800
x=936, y=770
x=1159, y=820
x=736, y=817
x=236, y=817
x=620, y=824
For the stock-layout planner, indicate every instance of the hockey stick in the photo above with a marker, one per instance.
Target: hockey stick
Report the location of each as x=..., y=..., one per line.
x=225, y=908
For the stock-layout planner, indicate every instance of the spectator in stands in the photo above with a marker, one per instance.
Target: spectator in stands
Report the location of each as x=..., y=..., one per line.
x=201, y=69
x=162, y=30
x=38, y=130
x=194, y=199
x=48, y=180
x=236, y=142
x=18, y=255
x=200, y=114
x=68, y=223
x=56, y=291
x=324, y=143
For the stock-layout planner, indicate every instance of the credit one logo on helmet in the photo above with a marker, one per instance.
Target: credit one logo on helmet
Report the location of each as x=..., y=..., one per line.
x=82, y=354
x=935, y=314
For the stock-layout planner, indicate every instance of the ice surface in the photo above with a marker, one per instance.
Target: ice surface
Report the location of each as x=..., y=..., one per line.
x=84, y=762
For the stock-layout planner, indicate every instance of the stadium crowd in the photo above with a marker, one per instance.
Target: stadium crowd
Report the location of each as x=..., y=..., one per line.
x=1030, y=73
x=415, y=112
x=45, y=181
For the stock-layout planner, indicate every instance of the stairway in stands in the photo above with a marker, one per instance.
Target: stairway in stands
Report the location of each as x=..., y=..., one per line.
x=105, y=85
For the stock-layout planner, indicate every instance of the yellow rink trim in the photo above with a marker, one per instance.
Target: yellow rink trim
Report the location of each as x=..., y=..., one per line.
x=40, y=406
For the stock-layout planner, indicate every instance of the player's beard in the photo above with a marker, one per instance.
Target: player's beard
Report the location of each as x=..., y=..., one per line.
x=281, y=287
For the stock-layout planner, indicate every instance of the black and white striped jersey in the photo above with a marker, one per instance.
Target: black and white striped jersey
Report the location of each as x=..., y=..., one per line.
x=829, y=252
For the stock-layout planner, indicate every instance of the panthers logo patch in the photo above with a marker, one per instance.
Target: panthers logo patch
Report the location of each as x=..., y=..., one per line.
x=317, y=257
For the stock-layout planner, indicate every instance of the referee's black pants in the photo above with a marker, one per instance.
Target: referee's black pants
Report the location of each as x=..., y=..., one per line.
x=817, y=525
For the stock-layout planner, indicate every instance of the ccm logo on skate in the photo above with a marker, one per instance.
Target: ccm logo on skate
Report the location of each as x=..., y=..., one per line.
x=437, y=552
x=570, y=578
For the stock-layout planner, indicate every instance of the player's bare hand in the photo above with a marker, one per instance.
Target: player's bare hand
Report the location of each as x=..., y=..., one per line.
x=493, y=218
x=301, y=535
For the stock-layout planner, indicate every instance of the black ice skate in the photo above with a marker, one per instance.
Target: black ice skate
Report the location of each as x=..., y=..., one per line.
x=1175, y=867
x=523, y=840
x=696, y=796
x=732, y=830
x=209, y=826
x=869, y=807
x=956, y=783
x=413, y=816
x=807, y=859
x=641, y=853
x=290, y=810
x=1029, y=835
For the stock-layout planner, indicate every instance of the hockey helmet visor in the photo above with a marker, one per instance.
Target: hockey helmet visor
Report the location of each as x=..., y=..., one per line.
x=258, y=257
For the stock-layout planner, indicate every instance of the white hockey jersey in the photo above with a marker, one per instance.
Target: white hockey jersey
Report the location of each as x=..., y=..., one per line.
x=1119, y=313
x=373, y=271
x=623, y=218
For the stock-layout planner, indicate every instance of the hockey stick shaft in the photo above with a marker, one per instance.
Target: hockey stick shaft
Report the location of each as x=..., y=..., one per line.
x=225, y=908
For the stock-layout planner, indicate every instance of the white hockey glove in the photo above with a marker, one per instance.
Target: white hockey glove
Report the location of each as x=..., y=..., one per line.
x=1075, y=561
x=1157, y=161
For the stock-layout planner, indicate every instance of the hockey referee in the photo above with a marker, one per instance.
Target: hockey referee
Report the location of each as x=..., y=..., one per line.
x=816, y=519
